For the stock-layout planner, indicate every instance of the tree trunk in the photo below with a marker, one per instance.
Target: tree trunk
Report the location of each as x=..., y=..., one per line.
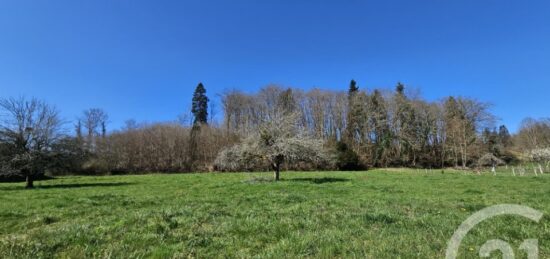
x=29, y=182
x=464, y=158
x=277, y=171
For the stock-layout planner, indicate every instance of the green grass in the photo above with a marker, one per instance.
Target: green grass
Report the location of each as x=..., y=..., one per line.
x=392, y=213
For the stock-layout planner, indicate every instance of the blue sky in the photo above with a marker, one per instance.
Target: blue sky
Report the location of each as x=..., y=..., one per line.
x=142, y=59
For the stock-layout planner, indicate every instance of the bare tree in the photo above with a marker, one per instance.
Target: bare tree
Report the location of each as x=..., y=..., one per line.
x=533, y=134
x=464, y=119
x=95, y=122
x=29, y=127
x=159, y=147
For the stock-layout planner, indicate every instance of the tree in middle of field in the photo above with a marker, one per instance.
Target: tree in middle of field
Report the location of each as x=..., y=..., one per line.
x=278, y=141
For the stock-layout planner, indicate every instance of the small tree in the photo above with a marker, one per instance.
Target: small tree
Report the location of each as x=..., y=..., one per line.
x=277, y=142
x=28, y=129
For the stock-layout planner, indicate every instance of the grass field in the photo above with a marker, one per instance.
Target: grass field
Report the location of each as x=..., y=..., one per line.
x=379, y=213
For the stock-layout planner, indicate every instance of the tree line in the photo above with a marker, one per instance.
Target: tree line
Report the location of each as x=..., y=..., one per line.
x=381, y=128
x=274, y=128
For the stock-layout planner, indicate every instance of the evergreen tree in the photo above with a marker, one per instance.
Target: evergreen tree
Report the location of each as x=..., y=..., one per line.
x=200, y=105
x=200, y=113
x=353, y=88
x=400, y=88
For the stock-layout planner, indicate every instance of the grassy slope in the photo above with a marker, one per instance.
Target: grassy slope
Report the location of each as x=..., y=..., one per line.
x=329, y=214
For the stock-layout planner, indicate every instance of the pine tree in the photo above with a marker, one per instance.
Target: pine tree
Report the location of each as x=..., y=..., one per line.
x=200, y=105
x=200, y=113
x=400, y=88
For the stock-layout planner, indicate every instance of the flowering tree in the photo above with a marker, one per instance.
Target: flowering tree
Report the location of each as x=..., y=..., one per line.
x=278, y=141
x=490, y=160
x=541, y=155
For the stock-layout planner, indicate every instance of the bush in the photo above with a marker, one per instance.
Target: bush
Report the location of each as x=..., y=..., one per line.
x=539, y=155
x=490, y=160
x=347, y=159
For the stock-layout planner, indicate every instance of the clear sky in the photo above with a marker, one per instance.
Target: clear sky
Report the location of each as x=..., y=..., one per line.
x=142, y=59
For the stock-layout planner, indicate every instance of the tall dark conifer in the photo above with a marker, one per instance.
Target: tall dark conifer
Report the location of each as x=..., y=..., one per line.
x=400, y=88
x=353, y=88
x=200, y=105
x=200, y=113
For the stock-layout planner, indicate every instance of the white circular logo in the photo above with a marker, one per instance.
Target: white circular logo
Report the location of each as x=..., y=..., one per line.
x=529, y=245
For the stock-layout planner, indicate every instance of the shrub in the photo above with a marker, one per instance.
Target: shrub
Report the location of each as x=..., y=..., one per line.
x=347, y=159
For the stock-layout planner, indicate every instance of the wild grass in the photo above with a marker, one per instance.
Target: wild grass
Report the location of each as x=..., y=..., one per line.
x=379, y=214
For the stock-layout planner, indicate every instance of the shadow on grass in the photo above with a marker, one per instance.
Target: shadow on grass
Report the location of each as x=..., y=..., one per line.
x=67, y=186
x=318, y=180
x=21, y=179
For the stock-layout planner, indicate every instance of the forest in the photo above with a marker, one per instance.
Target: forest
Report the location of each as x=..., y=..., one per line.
x=275, y=128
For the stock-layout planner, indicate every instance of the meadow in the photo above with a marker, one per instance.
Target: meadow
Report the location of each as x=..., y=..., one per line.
x=397, y=213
